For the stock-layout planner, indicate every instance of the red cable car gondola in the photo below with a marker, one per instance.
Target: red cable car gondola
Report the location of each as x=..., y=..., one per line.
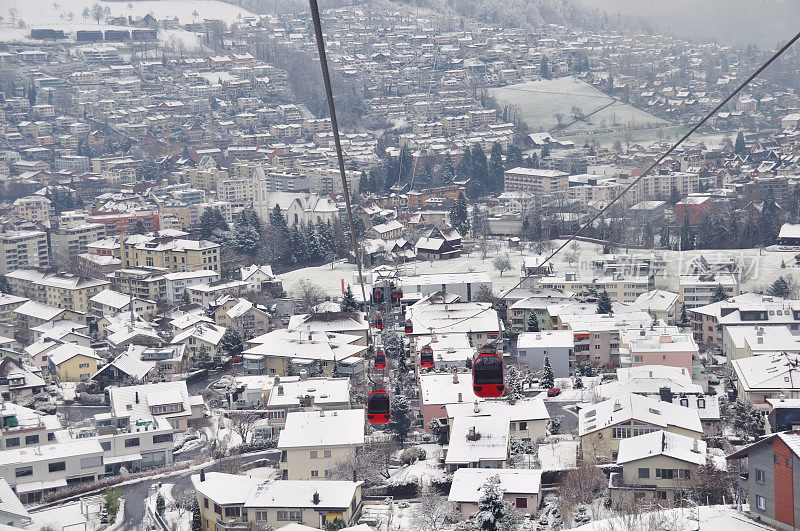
x=379, y=323
x=397, y=294
x=409, y=327
x=487, y=375
x=426, y=357
x=379, y=410
x=380, y=360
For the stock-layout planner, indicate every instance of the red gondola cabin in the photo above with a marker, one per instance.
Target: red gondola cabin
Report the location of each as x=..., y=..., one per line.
x=487, y=375
x=426, y=357
x=380, y=360
x=378, y=407
x=409, y=327
x=379, y=323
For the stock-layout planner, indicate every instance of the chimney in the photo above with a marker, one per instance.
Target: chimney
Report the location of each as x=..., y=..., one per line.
x=664, y=441
x=321, y=412
x=455, y=377
x=472, y=435
x=695, y=447
x=460, y=397
x=782, y=397
x=202, y=474
x=477, y=407
x=651, y=374
x=280, y=390
x=137, y=397
x=315, y=498
x=277, y=380
x=760, y=340
x=665, y=394
x=303, y=374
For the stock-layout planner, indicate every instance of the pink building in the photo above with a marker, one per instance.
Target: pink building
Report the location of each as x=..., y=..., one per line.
x=439, y=389
x=663, y=345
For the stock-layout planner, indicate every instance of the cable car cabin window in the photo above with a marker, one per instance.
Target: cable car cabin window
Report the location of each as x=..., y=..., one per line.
x=489, y=370
x=378, y=404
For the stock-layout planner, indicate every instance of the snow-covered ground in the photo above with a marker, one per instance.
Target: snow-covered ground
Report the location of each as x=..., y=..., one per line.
x=83, y=514
x=558, y=453
x=712, y=518
x=421, y=472
x=761, y=267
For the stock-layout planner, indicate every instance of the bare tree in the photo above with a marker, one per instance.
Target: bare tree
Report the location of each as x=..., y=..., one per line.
x=97, y=12
x=183, y=501
x=434, y=512
x=230, y=465
x=13, y=14
x=502, y=263
x=244, y=422
x=308, y=295
x=370, y=464
x=580, y=485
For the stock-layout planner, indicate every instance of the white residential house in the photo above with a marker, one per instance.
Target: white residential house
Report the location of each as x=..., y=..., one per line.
x=558, y=346
x=313, y=442
x=177, y=282
x=259, y=277
x=478, y=442
x=522, y=488
x=528, y=418
x=167, y=400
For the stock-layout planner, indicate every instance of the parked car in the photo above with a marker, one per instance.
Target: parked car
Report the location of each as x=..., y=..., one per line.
x=553, y=391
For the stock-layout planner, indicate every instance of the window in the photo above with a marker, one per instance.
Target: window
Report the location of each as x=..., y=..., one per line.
x=523, y=426
x=290, y=515
x=761, y=476
x=644, y=473
x=761, y=503
x=217, y=509
x=205, y=502
x=637, y=359
x=51, y=436
x=665, y=473
x=313, y=454
x=597, y=347
x=521, y=503
x=232, y=511
x=105, y=445
x=164, y=437
x=23, y=471
x=326, y=453
x=789, y=462
x=661, y=495
x=133, y=441
x=91, y=462
x=328, y=473
x=315, y=473
x=58, y=466
x=620, y=433
x=31, y=439
x=776, y=458
x=12, y=441
x=261, y=516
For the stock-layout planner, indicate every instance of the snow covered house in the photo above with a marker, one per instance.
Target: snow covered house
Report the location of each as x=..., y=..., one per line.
x=520, y=487
x=348, y=323
x=477, y=319
x=259, y=277
x=240, y=500
x=168, y=400
x=124, y=368
x=439, y=244
x=313, y=442
x=478, y=442
x=201, y=337
x=528, y=418
x=767, y=376
x=657, y=467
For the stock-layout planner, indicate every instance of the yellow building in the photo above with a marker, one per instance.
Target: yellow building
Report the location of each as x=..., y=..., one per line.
x=602, y=426
x=60, y=290
x=229, y=501
x=173, y=253
x=71, y=362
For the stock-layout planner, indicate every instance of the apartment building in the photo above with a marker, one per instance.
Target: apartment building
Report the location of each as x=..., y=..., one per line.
x=558, y=346
x=72, y=240
x=228, y=500
x=291, y=395
x=143, y=282
x=313, y=442
x=476, y=319
x=59, y=290
x=536, y=181
x=206, y=295
x=176, y=283
x=69, y=362
x=478, y=442
x=174, y=254
x=248, y=319
x=465, y=285
x=619, y=288
x=699, y=290
x=23, y=249
x=528, y=418
x=663, y=345
x=34, y=208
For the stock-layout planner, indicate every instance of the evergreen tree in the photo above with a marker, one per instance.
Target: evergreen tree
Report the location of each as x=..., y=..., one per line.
x=185, y=298
x=548, y=378
x=161, y=504
x=363, y=183
x=244, y=238
x=380, y=147
x=686, y=234
x=422, y=179
x=747, y=421
x=718, y=294
x=211, y=221
x=544, y=68
x=769, y=221
x=138, y=227
x=532, y=161
x=459, y=216
x=780, y=288
x=480, y=166
x=231, y=342
x=496, y=168
x=514, y=158
x=400, y=423
x=374, y=181
x=464, y=166
x=684, y=316
x=5, y=287
x=647, y=235
x=297, y=245
x=494, y=512
x=533, y=322
x=325, y=239
x=405, y=162
x=674, y=196
x=479, y=225
x=315, y=251
x=545, y=151
x=604, y=303
x=448, y=171
x=349, y=303
x=578, y=383
x=197, y=520
x=739, y=147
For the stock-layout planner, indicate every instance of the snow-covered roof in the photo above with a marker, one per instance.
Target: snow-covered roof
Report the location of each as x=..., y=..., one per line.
x=490, y=442
x=657, y=300
x=661, y=442
x=789, y=230
x=49, y=452
x=636, y=407
x=307, y=429
x=124, y=399
x=329, y=322
x=528, y=409
x=129, y=364
x=241, y=308
x=546, y=339
x=468, y=483
x=114, y=299
x=188, y=275
x=10, y=504
x=208, y=332
x=324, y=391
x=437, y=279
x=760, y=339
x=295, y=344
x=38, y=310
x=768, y=372
x=453, y=347
x=67, y=351
x=453, y=317
x=247, y=272
x=446, y=388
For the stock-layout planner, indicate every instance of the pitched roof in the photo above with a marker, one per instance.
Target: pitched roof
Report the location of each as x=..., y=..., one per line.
x=305, y=429
x=490, y=443
x=67, y=351
x=467, y=485
x=636, y=407
x=664, y=443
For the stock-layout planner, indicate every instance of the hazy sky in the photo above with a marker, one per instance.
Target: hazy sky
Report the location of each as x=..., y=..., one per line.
x=764, y=22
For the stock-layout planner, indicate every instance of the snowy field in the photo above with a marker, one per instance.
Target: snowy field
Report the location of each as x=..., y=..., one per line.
x=539, y=101
x=761, y=267
x=712, y=518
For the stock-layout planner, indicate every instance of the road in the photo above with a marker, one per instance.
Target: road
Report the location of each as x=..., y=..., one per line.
x=136, y=494
x=569, y=420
